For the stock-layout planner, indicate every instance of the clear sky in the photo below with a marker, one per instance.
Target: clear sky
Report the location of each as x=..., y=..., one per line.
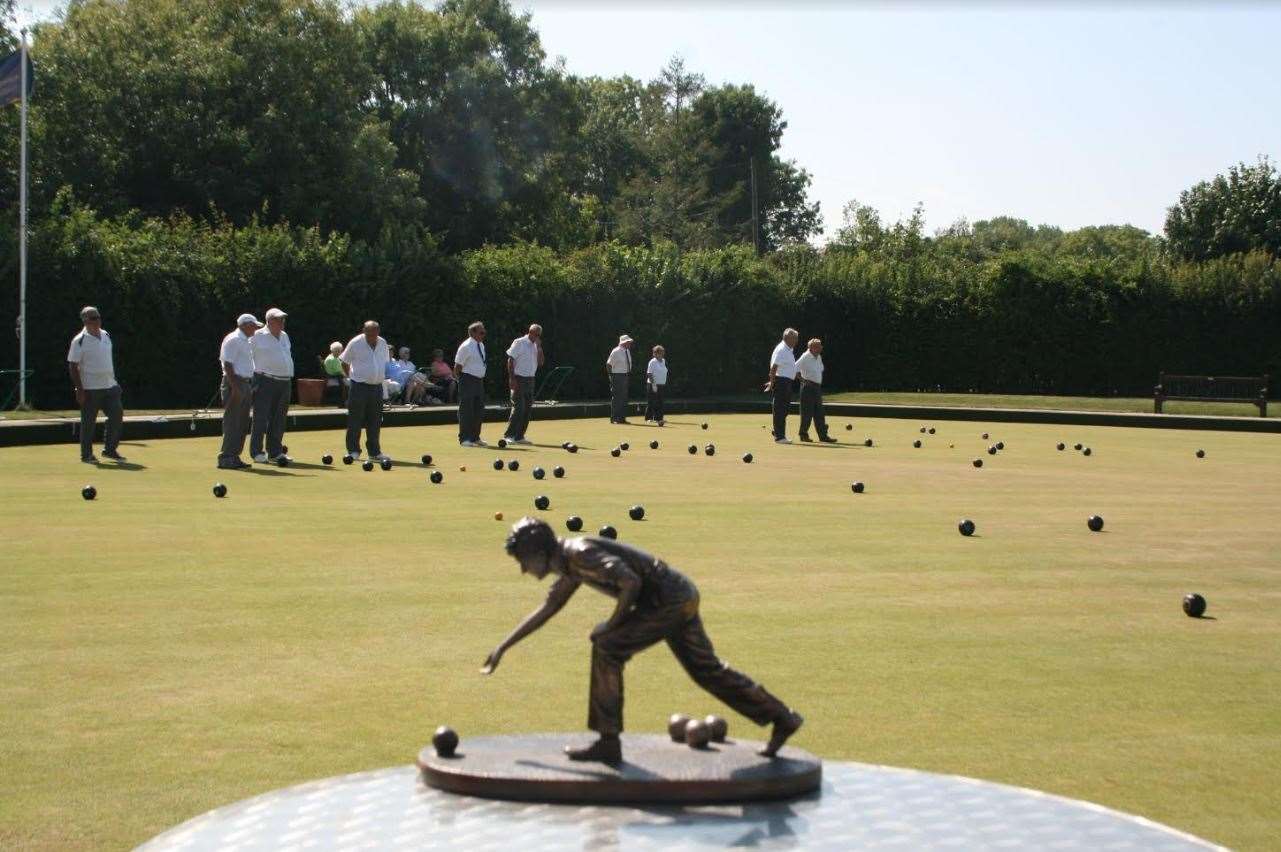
x=1065, y=114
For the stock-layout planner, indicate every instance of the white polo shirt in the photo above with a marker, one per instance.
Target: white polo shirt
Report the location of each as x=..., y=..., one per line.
x=368, y=363
x=619, y=360
x=785, y=361
x=470, y=357
x=238, y=351
x=657, y=369
x=272, y=355
x=93, y=355
x=810, y=366
x=524, y=352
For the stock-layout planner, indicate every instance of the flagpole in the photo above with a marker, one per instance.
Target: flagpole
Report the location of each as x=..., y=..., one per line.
x=22, y=237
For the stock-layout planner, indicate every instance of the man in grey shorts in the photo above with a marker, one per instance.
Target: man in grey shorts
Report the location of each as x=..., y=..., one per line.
x=93, y=379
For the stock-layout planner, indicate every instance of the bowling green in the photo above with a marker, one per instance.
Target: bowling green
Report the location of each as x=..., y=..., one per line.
x=166, y=652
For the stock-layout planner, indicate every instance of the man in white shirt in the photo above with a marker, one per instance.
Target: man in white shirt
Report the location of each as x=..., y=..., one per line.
x=364, y=361
x=524, y=357
x=782, y=372
x=236, y=359
x=809, y=368
x=93, y=379
x=469, y=372
x=272, y=383
x=618, y=366
x=655, y=381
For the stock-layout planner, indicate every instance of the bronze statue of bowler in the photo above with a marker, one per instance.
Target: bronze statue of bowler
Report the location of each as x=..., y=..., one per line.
x=534, y=768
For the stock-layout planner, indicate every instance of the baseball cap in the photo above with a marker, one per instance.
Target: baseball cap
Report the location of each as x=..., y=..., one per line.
x=248, y=318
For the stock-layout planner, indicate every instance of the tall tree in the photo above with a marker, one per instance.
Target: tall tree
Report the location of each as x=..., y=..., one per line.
x=1237, y=212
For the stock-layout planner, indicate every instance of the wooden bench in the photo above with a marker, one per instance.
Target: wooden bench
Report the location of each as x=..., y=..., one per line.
x=1250, y=389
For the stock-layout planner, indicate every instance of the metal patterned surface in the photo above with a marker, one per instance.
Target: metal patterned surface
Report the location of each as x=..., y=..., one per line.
x=533, y=767
x=860, y=807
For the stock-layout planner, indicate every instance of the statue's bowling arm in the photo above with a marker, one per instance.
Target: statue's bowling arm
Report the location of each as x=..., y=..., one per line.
x=557, y=596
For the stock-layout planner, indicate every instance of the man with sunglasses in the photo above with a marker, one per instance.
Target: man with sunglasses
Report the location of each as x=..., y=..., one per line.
x=469, y=370
x=93, y=379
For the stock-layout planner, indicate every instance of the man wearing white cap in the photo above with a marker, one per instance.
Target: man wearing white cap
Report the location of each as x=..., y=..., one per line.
x=524, y=357
x=93, y=378
x=618, y=366
x=236, y=358
x=272, y=383
x=365, y=362
x=469, y=372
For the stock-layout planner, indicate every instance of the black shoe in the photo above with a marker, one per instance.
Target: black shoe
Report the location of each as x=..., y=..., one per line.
x=806, y=439
x=113, y=455
x=604, y=750
x=828, y=439
x=234, y=465
x=784, y=727
x=89, y=459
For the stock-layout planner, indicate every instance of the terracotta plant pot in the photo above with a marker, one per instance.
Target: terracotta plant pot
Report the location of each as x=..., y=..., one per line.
x=311, y=391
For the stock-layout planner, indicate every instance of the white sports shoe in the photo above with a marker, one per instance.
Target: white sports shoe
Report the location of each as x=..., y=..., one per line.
x=261, y=458
x=355, y=456
x=382, y=457
x=782, y=441
x=278, y=459
x=523, y=441
x=466, y=444
x=479, y=444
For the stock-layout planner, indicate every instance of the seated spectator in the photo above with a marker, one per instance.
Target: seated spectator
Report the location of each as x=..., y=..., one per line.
x=442, y=377
x=335, y=382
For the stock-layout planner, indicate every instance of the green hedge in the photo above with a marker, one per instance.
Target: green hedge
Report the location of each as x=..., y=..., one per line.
x=1020, y=322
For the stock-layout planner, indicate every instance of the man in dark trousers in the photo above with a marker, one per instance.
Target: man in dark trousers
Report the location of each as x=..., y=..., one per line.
x=364, y=360
x=469, y=371
x=93, y=380
x=782, y=372
x=618, y=369
x=809, y=369
x=655, y=603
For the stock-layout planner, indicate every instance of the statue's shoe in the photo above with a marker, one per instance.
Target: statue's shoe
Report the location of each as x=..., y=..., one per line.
x=602, y=751
x=784, y=727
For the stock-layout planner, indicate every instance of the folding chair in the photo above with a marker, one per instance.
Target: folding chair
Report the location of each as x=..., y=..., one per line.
x=551, y=385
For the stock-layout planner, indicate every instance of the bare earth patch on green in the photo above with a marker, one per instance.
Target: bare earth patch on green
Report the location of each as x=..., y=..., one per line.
x=168, y=652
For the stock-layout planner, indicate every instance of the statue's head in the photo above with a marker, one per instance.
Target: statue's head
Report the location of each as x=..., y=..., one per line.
x=532, y=543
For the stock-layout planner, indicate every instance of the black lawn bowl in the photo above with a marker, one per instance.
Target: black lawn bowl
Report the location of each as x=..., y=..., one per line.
x=1000, y=445
x=88, y=492
x=608, y=532
x=867, y=442
x=676, y=727
x=856, y=487
x=326, y=459
x=931, y=430
x=426, y=459
x=636, y=512
x=1200, y=454
x=978, y=462
x=916, y=444
x=922, y=430
x=984, y=436
x=718, y=726
x=1077, y=447
x=710, y=449
x=747, y=458
x=693, y=450
x=558, y=472
x=347, y=459
x=445, y=741
x=502, y=443
x=498, y=464
x=653, y=445
x=624, y=446
x=1086, y=451
x=704, y=425
x=282, y=461
x=574, y=523
x=542, y=502
x=1061, y=446
x=385, y=464
x=437, y=477
x=513, y=465
x=1193, y=605
x=616, y=452
x=966, y=527
x=573, y=448
x=367, y=466
x=539, y=473
x=991, y=451
x=849, y=427
x=219, y=490
x=1095, y=523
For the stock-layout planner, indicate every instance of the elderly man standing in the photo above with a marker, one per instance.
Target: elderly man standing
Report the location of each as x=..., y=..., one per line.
x=93, y=379
x=272, y=384
x=365, y=360
x=810, y=368
x=782, y=372
x=236, y=357
x=524, y=357
x=618, y=366
x=469, y=371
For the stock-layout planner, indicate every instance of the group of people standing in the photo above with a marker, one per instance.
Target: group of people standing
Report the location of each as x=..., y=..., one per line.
x=257, y=367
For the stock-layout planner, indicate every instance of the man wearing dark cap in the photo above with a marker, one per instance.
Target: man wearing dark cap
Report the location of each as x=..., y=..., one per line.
x=654, y=603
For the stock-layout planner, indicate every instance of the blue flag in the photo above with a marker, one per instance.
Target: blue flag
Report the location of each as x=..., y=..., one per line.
x=11, y=78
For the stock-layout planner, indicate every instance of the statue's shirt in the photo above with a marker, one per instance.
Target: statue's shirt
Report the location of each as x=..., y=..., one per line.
x=602, y=563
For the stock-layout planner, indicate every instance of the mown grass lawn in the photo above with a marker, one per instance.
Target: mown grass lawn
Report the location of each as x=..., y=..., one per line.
x=166, y=652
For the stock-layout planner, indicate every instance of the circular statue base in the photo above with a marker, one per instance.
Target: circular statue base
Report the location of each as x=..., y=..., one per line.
x=654, y=770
